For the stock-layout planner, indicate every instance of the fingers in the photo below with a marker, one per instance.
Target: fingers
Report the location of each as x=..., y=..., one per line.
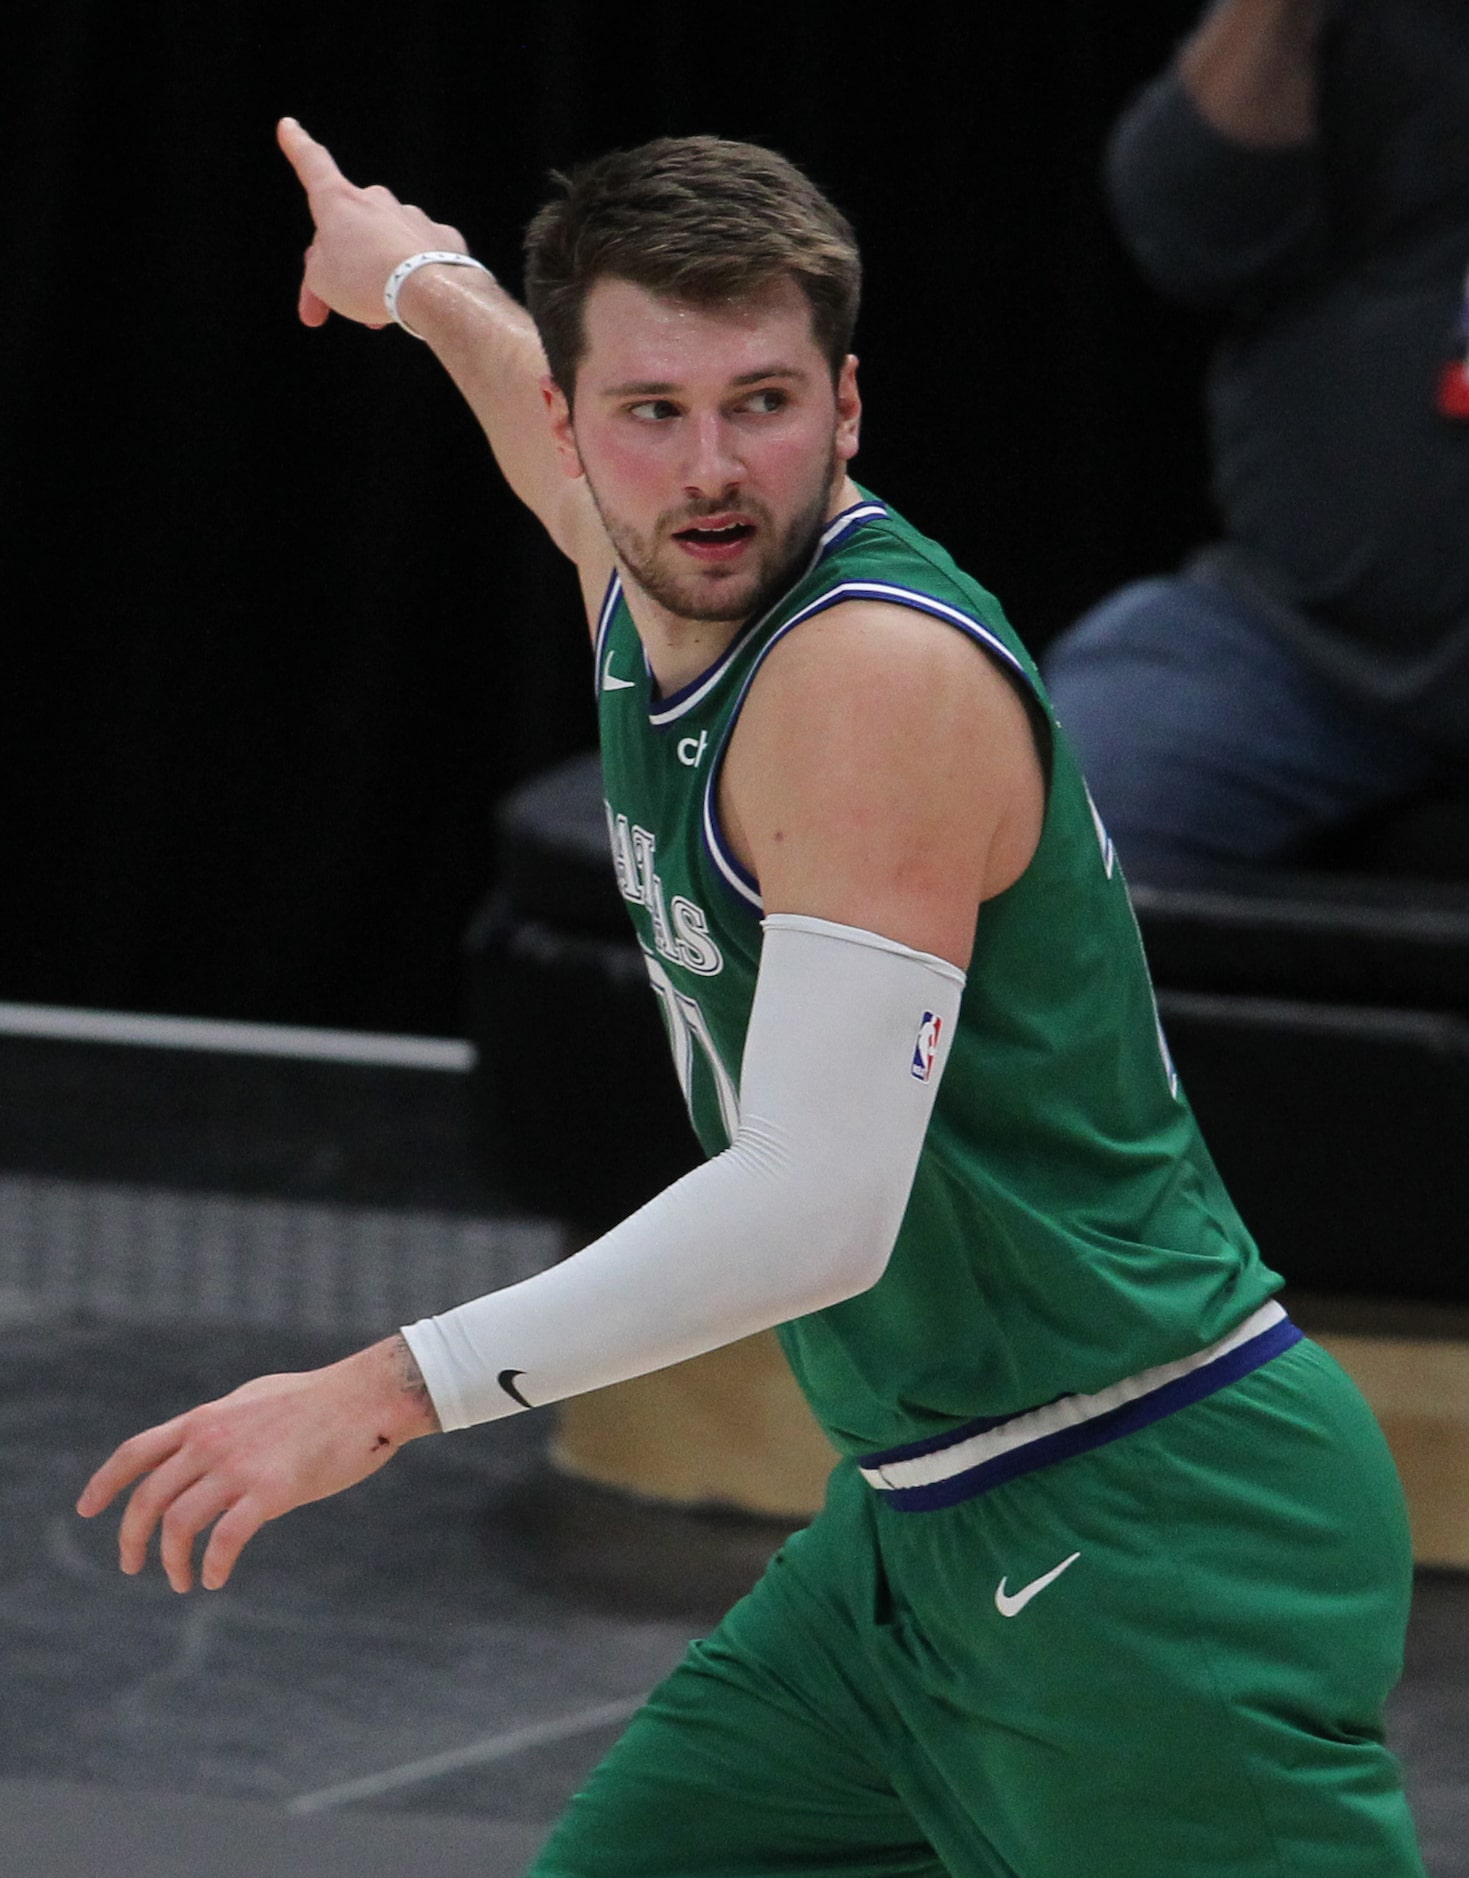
x=125, y=1465
x=181, y=1496
x=313, y=163
x=270, y=1445
x=316, y=170
x=150, y=1501
x=185, y=1519
x=311, y=309
x=228, y=1540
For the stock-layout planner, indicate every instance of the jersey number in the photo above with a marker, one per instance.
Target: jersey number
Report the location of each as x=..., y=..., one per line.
x=687, y=1026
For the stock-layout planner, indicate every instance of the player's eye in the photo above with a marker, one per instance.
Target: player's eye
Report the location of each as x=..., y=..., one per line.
x=767, y=401
x=653, y=410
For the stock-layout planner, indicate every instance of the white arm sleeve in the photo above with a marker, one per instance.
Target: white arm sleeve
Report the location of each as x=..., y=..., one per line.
x=847, y=1038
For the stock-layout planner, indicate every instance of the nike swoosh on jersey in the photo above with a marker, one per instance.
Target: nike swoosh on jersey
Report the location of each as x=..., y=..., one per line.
x=1011, y=1604
x=609, y=683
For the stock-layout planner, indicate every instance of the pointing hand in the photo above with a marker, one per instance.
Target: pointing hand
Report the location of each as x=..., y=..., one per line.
x=361, y=235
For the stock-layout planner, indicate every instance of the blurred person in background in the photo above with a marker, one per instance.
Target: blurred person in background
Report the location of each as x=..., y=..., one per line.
x=1303, y=166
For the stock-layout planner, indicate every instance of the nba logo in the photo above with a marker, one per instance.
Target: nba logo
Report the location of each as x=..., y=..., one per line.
x=926, y=1047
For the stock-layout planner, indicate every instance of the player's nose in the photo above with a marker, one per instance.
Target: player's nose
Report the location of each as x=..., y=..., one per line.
x=713, y=465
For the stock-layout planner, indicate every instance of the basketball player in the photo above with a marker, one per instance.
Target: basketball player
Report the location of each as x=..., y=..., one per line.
x=1113, y=1575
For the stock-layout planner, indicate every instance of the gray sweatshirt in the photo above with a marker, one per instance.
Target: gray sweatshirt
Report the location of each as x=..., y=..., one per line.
x=1342, y=483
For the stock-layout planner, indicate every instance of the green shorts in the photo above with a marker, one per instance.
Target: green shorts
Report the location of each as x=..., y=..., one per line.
x=1162, y=1658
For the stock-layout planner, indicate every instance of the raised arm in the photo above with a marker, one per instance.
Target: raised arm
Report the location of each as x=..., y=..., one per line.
x=484, y=339
x=1212, y=172
x=1251, y=70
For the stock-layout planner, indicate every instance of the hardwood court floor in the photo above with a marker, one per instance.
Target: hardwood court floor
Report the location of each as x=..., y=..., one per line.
x=388, y=1687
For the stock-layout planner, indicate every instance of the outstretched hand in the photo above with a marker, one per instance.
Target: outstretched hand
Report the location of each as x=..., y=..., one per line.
x=272, y=1445
x=361, y=235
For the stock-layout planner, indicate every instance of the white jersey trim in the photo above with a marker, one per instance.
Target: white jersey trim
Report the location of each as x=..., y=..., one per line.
x=836, y=530
x=1070, y=1411
x=725, y=863
x=604, y=626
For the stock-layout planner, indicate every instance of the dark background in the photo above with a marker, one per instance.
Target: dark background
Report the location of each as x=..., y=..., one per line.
x=277, y=640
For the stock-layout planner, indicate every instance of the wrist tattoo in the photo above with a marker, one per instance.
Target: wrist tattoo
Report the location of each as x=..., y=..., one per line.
x=410, y=1380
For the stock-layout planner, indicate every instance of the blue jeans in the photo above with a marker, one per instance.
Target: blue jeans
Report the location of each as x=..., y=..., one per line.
x=1205, y=738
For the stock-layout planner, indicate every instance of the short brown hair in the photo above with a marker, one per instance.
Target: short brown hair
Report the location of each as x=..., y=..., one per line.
x=700, y=219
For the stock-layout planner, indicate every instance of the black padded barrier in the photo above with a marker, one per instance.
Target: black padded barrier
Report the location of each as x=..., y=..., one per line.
x=1340, y=1132
x=575, y=1086
x=576, y=1091
x=1319, y=1020
x=1327, y=938
x=555, y=864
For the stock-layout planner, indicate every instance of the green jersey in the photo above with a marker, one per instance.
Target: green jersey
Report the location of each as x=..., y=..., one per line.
x=1066, y=1226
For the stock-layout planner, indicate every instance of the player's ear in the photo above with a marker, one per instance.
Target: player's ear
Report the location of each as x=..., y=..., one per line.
x=559, y=410
x=849, y=410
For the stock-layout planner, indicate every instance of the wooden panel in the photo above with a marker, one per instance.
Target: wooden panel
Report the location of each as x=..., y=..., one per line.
x=727, y=1429
x=1419, y=1391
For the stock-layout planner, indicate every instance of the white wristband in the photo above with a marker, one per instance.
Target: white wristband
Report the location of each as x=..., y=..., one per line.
x=415, y=261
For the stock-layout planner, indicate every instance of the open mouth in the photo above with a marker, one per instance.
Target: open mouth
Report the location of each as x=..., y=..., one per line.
x=725, y=536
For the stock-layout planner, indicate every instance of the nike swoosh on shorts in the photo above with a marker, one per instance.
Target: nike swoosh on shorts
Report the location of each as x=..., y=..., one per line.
x=1012, y=1603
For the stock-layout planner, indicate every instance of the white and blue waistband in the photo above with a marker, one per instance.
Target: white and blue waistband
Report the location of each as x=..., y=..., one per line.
x=971, y=1459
